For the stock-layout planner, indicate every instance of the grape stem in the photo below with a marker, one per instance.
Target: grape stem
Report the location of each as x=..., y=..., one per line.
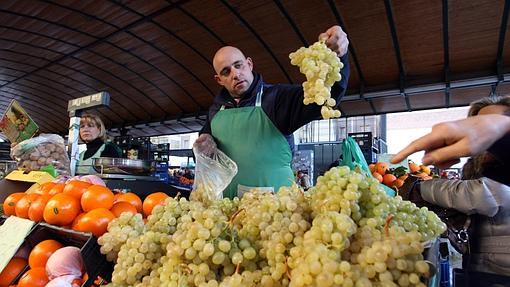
x=387, y=224
x=238, y=267
x=287, y=272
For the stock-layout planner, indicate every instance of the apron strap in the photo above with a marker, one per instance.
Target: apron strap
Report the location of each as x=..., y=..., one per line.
x=258, y=103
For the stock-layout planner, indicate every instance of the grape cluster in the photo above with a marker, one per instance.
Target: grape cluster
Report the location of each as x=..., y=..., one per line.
x=344, y=232
x=321, y=66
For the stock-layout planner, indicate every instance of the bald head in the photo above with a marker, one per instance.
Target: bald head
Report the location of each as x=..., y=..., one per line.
x=233, y=70
x=225, y=52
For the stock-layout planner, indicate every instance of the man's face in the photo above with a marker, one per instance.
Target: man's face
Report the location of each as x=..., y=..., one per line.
x=233, y=70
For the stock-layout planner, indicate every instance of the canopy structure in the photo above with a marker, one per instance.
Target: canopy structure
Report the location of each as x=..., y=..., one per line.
x=154, y=57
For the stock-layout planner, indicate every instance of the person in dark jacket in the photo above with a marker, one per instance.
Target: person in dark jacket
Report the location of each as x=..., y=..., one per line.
x=93, y=134
x=252, y=121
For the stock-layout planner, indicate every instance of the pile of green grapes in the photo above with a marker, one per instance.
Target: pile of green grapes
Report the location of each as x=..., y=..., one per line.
x=321, y=66
x=345, y=231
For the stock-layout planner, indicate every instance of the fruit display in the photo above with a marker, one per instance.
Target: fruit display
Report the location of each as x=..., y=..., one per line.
x=321, y=66
x=79, y=205
x=50, y=264
x=395, y=177
x=345, y=231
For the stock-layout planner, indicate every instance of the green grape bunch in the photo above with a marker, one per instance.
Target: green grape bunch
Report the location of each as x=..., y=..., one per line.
x=321, y=66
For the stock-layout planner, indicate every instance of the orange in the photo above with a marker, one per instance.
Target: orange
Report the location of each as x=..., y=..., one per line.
x=95, y=221
x=97, y=196
x=42, y=251
x=388, y=179
x=152, y=200
x=9, y=204
x=35, y=277
x=122, y=206
x=13, y=269
x=381, y=168
x=425, y=169
x=57, y=188
x=76, y=188
x=413, y=167
x=131, y=198
x=36, y=210
x=371, y=167
x=24, y=203
x=377, y=176
x=61, y=209
x=74, y=225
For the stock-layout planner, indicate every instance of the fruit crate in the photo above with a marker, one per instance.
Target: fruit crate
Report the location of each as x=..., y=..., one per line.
x=95, y=263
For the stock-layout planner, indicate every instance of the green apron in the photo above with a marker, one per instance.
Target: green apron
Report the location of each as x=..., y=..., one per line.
x=261, y=152
x=85, y=166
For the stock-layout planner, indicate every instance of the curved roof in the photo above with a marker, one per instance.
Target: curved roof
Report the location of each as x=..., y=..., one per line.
x=154, y=57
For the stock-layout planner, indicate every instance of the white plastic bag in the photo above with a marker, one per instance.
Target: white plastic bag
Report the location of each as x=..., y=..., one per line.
x=38, y=152
x=212, y=175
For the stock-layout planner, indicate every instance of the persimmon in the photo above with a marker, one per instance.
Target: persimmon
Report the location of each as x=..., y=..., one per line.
x=36, y=210
x=35, y=277
x=42, y=251
x=413, y=167
x=425, y=169
x=371, y=167
x=61, y=209
x=381, y=168
x=57, y=188
x=398, y=183
x=11, y=270
x=24, y=203
x=76, y=188
x=97, y=196
x=95, y=221
x=9, y=204
x=152, y=200
x=131, y=198
x=388, y=179
x=121, y=207
x=377, y=176
x=45, y=187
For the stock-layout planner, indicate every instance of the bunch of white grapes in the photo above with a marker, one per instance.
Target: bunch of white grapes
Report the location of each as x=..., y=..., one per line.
x=321, y=66
x=344, y=232
x=127, y=226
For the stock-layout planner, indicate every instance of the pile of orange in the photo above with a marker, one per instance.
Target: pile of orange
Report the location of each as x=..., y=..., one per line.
x=420, y=170
x=395, y=177
x=386, y=176
x=79, y=205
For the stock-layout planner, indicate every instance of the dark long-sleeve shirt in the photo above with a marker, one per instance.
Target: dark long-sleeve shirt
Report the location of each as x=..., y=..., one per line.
x=110, y=149
x=282, y=103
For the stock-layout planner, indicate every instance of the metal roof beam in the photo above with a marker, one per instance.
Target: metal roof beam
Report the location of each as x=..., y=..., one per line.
x=501, y=43
x=398, y=54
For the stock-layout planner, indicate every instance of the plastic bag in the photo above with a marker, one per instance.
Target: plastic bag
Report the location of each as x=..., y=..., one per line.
x=212, y=175
x=353, y=158
x=42, y=151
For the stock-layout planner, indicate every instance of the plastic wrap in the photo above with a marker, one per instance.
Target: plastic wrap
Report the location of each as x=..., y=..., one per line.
x=213, y=173
x=42, y=151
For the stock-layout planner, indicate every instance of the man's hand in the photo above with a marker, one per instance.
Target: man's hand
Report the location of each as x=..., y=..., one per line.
x=449, y=141
x=336, y=39
x=205, y=144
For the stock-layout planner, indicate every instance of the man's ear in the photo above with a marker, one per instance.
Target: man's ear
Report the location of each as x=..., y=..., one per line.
x=250, y=63
x=218, y=80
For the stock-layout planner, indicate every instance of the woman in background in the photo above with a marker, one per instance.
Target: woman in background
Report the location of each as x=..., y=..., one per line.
x=93, y=134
